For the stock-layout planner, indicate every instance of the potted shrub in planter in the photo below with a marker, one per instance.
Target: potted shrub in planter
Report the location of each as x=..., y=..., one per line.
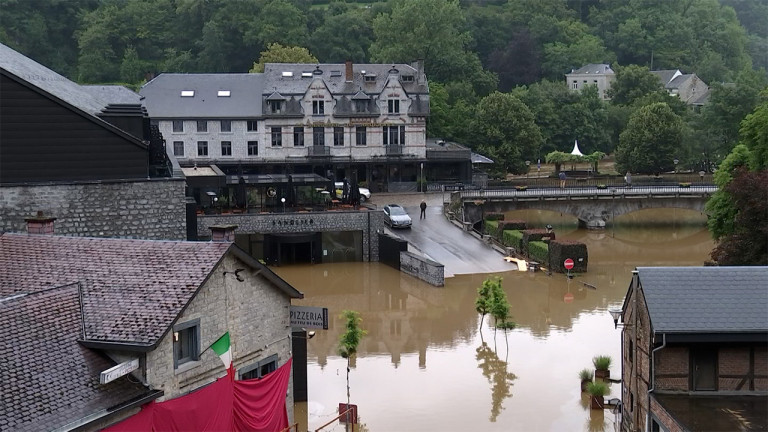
x=597, y=391
x=602, y=366
x=585, y=375
x=521, y=188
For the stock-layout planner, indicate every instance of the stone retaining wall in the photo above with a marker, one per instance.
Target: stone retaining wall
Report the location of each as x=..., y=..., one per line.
x=425, y=269
x=149, y=209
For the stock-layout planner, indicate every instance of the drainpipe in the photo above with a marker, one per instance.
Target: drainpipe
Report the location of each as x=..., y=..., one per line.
x=653, y=379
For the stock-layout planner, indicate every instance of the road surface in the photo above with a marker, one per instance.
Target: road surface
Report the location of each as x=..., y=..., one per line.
x=442, y=241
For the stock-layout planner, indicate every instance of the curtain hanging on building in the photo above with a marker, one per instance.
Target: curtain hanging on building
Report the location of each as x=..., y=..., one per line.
x=225, y=405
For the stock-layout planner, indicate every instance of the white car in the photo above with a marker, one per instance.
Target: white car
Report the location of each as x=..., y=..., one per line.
x=365, y=194
x=397, y=217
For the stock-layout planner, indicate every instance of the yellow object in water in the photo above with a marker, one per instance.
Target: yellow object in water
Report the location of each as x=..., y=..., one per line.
x=521, y=264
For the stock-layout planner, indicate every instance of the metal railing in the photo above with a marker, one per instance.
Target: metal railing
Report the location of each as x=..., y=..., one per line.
x=585, y=192
x=394, y=150
x=317, y=150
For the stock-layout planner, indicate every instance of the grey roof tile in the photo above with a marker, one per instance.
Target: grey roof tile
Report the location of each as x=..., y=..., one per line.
x=706, y=299
x=594, y=68
x=162, y=96
x=49, y=379
x=49, y=81
x=132, y=289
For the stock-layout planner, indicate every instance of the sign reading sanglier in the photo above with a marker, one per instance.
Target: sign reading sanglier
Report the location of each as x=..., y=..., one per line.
x=309, y=317
x=116, y=372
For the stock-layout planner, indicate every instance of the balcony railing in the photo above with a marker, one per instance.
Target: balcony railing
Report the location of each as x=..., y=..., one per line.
x=318, y=151
x=394, y=150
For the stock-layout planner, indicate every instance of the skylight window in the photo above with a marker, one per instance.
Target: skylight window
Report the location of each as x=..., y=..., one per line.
x=306, y=74
x=223, y=93
x=187, y=93
x=287, y=74
x=335, y=73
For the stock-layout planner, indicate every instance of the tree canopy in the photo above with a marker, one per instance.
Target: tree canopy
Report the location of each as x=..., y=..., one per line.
x=651, y=140
x=277, y=53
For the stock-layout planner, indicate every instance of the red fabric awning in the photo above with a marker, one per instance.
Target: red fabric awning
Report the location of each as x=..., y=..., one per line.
x=225, y=405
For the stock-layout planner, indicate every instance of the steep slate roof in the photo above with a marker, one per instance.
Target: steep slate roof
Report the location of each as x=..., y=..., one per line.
x=335, y=79
x=49, y=379
x=667, y=75
x=132, y=290
x=593, y=68
x=114, y=94
x=162, y=96
x=51, y=82
x=706, y=299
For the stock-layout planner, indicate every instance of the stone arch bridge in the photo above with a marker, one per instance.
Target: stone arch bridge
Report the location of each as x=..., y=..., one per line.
x=592, y=206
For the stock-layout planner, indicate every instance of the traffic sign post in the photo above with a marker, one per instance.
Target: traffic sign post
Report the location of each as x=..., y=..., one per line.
x=568, y=264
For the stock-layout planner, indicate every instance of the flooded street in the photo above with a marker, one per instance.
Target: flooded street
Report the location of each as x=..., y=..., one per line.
x=427, y=363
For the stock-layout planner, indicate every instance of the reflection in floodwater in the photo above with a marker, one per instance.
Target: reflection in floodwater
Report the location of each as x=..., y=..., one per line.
x=425, y=365
x=495, y=370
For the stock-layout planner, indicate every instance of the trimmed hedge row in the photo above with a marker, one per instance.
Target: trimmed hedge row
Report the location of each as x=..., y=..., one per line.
x=539, y=251
x=494, y=216
x=492, y=227
x=560, y=250
x=513, y=225
x=513, y=238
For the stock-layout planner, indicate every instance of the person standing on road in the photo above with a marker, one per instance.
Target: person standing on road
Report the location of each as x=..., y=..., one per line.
x=423, y=207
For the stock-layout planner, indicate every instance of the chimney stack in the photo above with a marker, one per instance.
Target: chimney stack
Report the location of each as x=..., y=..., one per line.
x=348, y=71
x=223, y=233
x=40, y=224
x=420, y=71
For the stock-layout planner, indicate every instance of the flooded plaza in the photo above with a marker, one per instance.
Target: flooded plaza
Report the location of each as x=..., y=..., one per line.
x=428, y=364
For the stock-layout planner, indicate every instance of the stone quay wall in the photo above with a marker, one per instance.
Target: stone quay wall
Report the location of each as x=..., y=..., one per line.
x=149, y=209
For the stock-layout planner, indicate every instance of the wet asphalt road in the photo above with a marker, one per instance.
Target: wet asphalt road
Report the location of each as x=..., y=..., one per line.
x=441, y=240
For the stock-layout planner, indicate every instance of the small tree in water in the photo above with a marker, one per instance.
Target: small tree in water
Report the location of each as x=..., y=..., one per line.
x=350, y=339
x=483, y=300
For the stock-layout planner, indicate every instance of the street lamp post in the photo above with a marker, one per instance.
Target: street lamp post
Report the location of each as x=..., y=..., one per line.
x=422, y=183
x=527, y=168
x=283, y=201
x=675, y=162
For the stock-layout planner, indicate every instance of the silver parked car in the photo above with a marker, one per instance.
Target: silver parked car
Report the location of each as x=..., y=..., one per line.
x=397, y=217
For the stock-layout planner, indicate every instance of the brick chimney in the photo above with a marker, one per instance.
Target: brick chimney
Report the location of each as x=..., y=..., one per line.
x=223, y=233
x=348, y=72
x=40, y=224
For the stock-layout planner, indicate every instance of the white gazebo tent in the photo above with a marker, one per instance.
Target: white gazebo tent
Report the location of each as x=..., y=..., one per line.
x=576, y=150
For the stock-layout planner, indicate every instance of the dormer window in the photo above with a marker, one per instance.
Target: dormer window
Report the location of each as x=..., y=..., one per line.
x=318, y=107
x=393, y=106
x=276, y=106
x=187, y=93
x=370, y=78
x=361, y=106
x=407, y=78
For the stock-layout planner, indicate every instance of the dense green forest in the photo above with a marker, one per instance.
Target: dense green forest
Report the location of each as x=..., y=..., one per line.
x=496, y=68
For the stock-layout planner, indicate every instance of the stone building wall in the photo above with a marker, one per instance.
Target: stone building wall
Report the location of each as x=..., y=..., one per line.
x=257, y=316
x=151, y=209
x=368, y=222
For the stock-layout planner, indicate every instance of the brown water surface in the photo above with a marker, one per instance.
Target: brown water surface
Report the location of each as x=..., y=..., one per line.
x=427, y=363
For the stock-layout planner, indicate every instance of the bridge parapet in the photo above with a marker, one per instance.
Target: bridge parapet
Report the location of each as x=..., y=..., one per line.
x=592, y=206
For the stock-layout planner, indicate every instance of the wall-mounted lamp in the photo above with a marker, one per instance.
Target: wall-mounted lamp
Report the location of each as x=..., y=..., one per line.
x=175, y=336
x=616, y=314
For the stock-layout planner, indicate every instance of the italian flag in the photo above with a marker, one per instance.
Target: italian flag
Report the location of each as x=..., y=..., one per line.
x=222, y=348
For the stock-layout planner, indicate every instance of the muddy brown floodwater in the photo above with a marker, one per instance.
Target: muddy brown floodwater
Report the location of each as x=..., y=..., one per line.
x=427, y=364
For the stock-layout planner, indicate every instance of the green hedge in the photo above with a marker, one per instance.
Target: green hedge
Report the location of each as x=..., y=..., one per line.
x=539, y=251
x=518, y=225
x=494, y=216
x=513, y=238
x=560, y=250
x=492, y=227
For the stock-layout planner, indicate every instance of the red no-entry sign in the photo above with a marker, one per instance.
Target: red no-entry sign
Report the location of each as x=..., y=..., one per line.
x=568, y=263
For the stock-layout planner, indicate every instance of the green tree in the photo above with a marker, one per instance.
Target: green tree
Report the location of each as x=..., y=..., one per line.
x=632, y=83
x=650, y=141
x=277, y=53
x=350, y=339
x=747, y=243
x=720, y=207
x=483, y=300
x=345, y=34
x=754, y=133
x=432, y=30
x=280, y=21
x=506, y=132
